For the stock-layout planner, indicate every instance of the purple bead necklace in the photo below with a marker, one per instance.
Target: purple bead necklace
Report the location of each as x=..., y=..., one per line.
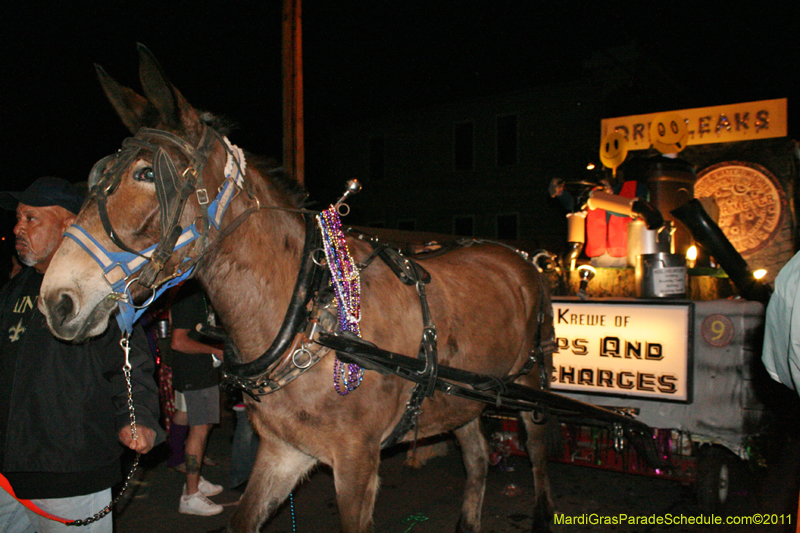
x=347, y=288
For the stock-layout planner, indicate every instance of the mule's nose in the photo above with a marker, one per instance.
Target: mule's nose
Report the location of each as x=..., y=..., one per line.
x=64, y=309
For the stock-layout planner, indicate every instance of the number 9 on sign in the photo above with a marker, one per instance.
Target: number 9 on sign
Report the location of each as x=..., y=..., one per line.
x=717, y=330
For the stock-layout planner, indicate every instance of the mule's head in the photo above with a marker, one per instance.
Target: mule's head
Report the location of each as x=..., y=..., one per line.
x=131, y=235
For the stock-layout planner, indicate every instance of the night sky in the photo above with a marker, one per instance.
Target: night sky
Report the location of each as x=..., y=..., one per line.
x=358, y=57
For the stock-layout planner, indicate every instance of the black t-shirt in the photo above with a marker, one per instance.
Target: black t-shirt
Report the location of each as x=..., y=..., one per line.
x=191, y=371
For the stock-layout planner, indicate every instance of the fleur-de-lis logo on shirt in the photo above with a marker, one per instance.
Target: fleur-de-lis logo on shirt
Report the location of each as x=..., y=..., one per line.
x=16, y=331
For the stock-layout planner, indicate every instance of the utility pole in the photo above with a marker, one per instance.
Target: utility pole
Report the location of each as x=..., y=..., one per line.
x=292, y=61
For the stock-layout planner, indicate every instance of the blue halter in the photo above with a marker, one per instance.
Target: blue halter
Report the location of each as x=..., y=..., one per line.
x=119, y=266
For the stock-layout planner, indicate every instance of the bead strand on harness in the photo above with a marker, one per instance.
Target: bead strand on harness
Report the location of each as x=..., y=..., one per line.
x=347, y=288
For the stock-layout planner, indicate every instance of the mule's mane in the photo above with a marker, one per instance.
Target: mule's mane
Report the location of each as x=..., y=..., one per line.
x=267, y=166
x=222, y=125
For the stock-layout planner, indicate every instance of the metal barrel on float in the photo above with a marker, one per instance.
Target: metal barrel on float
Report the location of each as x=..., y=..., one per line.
x=670, y=184
x=710, y=237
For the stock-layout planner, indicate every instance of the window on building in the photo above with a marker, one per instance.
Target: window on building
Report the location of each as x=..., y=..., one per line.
x=464, y=226
x=376, y=159
x=506, y=140
x=464, y=146
x=507, y=227
x=407, y=225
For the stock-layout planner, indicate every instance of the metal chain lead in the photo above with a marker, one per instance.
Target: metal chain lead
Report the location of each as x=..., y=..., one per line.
x=126, y=370
x=107, y=509
x=124, y=342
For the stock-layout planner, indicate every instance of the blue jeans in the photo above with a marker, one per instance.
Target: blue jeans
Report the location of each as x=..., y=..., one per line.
x=243, y=450
x=16, y=518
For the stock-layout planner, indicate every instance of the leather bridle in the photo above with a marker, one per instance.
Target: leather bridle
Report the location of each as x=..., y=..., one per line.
x=173, y=189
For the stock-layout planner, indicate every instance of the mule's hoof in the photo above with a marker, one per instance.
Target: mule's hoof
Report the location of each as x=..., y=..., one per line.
x=541, y=523
x=464, y=527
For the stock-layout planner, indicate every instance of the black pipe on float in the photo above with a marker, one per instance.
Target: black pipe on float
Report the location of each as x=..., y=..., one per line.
x=647, y=212
x=713, y=241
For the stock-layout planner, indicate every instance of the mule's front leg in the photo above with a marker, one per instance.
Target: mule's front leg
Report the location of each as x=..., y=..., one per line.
x=537, y=452
x=277, y=470
x=475, y=453
x=355, y=473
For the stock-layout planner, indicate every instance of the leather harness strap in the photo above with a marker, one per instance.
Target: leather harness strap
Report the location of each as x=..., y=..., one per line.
x=263, y=375
x=411, y=273
x=171, y=191
x=309, y=278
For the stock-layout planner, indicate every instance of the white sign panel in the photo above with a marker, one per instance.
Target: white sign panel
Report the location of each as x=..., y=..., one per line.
x=626, y=349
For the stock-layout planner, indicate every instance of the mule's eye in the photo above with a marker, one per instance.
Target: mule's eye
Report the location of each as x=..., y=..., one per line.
x=145, y=174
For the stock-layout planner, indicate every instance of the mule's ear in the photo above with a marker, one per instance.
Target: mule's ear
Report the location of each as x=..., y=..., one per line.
x=134, y=110
x=175, y=111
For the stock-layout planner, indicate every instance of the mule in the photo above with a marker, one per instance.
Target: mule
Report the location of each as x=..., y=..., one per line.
x=488, y=305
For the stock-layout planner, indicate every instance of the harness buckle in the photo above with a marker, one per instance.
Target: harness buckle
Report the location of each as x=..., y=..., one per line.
x=420, y=285
x=190, y=170
x=202, y=196
x=118, y=296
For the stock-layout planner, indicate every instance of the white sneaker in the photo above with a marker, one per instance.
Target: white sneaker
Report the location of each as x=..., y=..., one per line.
x=208, y=488
x=198, y=504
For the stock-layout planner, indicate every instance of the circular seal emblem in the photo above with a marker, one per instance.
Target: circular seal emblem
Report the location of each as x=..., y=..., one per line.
x=717, y=330
x=751, y=203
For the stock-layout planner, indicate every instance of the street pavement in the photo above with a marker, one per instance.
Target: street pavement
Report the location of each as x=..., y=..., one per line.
x=429, y=499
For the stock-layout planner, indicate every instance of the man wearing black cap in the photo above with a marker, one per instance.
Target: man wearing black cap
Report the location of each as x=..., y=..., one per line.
x=63, y=407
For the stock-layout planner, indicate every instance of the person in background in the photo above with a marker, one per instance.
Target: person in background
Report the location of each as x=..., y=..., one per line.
x=243, y=447
x=781, y=349
x=176, y=435
x=12, y=265
x=780, y=355
x=16, y=266
x=64, y=415
x=195, y=378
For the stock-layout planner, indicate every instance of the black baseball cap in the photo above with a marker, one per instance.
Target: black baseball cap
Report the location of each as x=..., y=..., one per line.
x=45, y=192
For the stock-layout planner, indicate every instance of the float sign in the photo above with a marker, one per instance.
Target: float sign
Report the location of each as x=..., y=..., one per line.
x=622, y=349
